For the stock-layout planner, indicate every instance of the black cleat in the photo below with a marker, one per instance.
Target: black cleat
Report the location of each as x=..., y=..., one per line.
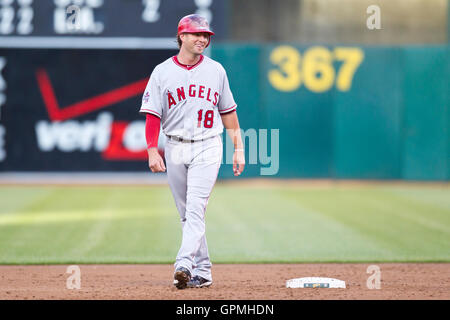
x=199, y=282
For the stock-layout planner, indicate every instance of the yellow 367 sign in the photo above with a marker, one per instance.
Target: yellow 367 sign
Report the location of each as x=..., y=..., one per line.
x=315, y=69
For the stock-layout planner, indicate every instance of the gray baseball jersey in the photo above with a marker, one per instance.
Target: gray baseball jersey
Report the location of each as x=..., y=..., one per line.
x=189, y=99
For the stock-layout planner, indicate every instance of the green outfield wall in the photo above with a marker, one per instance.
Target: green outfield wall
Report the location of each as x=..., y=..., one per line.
x=345, y=111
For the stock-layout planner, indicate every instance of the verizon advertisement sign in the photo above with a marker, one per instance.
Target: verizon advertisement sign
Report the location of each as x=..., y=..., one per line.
x=74, y=110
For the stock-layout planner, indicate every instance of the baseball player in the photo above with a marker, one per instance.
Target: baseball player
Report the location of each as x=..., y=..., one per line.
x=189, y=95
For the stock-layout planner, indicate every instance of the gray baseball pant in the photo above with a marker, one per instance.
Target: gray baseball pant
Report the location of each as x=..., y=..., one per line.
x=192, y=170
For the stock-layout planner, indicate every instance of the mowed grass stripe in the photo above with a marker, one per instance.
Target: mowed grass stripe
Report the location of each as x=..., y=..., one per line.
x=244, y=224
x=52, y=226
x=388, y=223
x=277, y=227
x=90, y=225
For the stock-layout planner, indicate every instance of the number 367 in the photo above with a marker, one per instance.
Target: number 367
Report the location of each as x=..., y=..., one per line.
x=315, y=69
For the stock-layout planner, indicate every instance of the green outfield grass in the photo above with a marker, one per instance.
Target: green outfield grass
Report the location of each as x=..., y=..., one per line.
x=291, y=223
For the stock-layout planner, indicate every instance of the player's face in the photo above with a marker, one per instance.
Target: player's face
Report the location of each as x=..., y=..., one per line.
x=195, y=42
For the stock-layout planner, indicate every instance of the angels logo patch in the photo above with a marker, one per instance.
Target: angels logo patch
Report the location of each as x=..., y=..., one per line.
x=146, y=98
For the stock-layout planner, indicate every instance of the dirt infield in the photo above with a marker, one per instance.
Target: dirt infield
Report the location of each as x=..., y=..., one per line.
x=231, y=282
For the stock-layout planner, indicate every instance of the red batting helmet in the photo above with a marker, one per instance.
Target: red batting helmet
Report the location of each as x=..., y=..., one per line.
x=194, y=23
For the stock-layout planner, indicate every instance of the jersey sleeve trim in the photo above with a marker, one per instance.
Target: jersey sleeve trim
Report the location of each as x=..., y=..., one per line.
x=150, y=111
x=228, y=109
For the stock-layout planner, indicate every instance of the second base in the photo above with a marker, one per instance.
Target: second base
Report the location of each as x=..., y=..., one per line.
x=315, y=282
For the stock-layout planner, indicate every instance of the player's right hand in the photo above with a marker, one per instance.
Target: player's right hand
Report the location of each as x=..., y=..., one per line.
x=155, y=161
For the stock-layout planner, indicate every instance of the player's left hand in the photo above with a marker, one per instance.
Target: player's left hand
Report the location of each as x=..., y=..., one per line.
x=238, y=162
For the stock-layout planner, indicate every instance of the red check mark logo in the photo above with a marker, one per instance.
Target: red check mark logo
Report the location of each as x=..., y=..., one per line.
x=115, y=150
x=85, y=106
